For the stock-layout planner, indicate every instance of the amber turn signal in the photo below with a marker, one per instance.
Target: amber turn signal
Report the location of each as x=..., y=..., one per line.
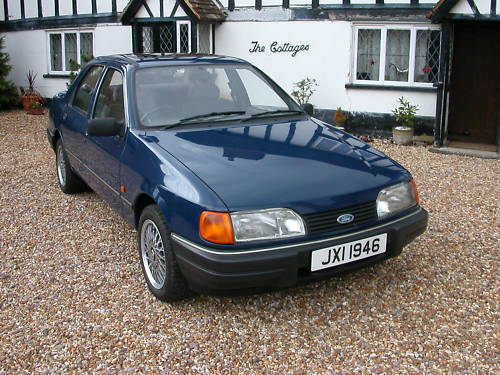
x=216, y=227
x=415, y=191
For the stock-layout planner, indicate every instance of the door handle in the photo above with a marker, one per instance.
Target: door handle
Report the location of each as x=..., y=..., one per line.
x=65, y=116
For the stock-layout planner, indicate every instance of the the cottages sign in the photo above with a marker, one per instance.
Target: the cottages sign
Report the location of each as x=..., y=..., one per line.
x=277, y=47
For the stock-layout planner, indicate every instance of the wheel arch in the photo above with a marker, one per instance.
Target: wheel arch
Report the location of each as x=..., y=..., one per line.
x=142, y=201
x=54, y=138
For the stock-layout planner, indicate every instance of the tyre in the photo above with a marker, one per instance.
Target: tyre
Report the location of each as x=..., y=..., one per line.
x=69, y=181
x=158, y=261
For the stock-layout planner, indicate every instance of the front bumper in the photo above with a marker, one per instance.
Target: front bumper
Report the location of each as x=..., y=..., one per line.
x=208, y=270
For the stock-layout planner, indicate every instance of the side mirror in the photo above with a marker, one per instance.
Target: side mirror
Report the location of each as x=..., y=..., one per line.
x=104, y=127
x=308, y=108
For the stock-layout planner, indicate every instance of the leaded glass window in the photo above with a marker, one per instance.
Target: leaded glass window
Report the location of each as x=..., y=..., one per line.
x=69, y=49
x=399, y=55
x=427, y=55
x=184, y=37
x=368, y=62
x=86, y=50
x=147, y=39
x=204, y=38
x=56, y=52
x=167, y=35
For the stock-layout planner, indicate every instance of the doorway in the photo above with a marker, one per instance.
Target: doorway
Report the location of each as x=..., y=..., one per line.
x=474, y=89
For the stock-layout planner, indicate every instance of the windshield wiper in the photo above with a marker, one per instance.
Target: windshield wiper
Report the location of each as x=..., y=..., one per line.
x=275, y=112
x=211, y=114
x=197, y=117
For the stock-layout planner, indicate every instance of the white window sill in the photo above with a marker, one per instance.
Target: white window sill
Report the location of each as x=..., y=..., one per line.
x=374, y=86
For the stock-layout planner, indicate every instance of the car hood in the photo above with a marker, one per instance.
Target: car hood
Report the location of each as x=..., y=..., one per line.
x=305, y=165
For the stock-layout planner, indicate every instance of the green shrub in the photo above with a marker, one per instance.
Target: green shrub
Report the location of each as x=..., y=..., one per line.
x=8, y=92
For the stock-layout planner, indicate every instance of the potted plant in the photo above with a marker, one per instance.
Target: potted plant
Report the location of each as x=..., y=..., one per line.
x=339, y=117
x=30, y=95
x=35, y=108
x=405, y=115
x=303, y=91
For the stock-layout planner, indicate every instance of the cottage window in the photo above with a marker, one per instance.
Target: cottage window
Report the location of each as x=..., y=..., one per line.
x=168, y=37
x=68, y=48
x=399, y=55
x=204, y=38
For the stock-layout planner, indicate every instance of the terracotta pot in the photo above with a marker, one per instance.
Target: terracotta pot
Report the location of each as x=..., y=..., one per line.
x=35, y=111
x=26, y=100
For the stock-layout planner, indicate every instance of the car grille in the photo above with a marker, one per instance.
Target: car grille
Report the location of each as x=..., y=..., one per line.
x=326, y=221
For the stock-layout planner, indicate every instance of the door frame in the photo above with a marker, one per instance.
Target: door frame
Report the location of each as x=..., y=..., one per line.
x=443, y=92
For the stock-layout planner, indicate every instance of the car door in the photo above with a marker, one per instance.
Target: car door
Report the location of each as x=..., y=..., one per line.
x=103, y=153
x=76, y=115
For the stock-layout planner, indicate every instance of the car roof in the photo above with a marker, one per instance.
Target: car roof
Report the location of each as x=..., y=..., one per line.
x=157, y=59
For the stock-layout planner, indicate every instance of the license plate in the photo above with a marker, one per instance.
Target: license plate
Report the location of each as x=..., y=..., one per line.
x=348, y=252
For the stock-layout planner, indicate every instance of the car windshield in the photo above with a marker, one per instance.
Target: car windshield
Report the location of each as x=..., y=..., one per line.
x=173, y=95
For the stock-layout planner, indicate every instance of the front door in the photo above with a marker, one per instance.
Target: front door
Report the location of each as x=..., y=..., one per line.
x=103, y=154
x=474, y=100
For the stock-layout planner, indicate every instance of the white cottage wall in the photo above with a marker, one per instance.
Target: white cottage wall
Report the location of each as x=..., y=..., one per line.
x=328, y=60
x=108, y=39
x=84, y=6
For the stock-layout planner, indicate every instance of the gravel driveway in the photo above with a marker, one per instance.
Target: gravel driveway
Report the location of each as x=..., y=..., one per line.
x=73, y=299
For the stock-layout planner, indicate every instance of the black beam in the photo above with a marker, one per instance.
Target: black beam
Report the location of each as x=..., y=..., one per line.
x=315, y=3
x=161, y=8
x=414, y=2
x=174, y=9
x=286, y=3
x=258, y=4
x=23, y=12
x=442, y=86
x=6, y=9
x=346, y=2
x=364, y=12
x=113, y=6
x=493, y=9
x=40, y=12
x=230, y=5
x=380, y=2
x=94, y=6
x=148, y=9
x=154, y=20
x=75, y=7
x=55, y=22
x=56, y=8
x=473, y=7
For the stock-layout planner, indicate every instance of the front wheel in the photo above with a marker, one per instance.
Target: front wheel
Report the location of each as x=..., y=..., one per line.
x=158, y=261
x=69, y=181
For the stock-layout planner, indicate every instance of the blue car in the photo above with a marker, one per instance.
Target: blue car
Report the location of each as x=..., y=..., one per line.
x=230, y=184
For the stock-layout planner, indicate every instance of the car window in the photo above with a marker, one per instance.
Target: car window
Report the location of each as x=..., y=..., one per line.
x=168, y=94
x=110, y=98
x=83, y=94
x=259, y=92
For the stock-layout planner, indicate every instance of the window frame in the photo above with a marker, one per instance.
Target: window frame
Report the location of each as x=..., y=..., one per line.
x=63, y=48
x=178, y=35
x=211, y=36
x=90, y=109
x=382, y=57
x=98, y=88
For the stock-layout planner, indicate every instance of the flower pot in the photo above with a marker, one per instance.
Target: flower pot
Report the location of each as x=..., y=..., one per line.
x=35, y=111
x=402, y=135
x=26, y=100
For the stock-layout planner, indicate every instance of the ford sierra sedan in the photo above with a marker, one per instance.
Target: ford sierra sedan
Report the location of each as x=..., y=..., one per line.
x=230, y=184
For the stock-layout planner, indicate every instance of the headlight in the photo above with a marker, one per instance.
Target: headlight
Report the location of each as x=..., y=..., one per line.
x=396, y=198
x=266, y=224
